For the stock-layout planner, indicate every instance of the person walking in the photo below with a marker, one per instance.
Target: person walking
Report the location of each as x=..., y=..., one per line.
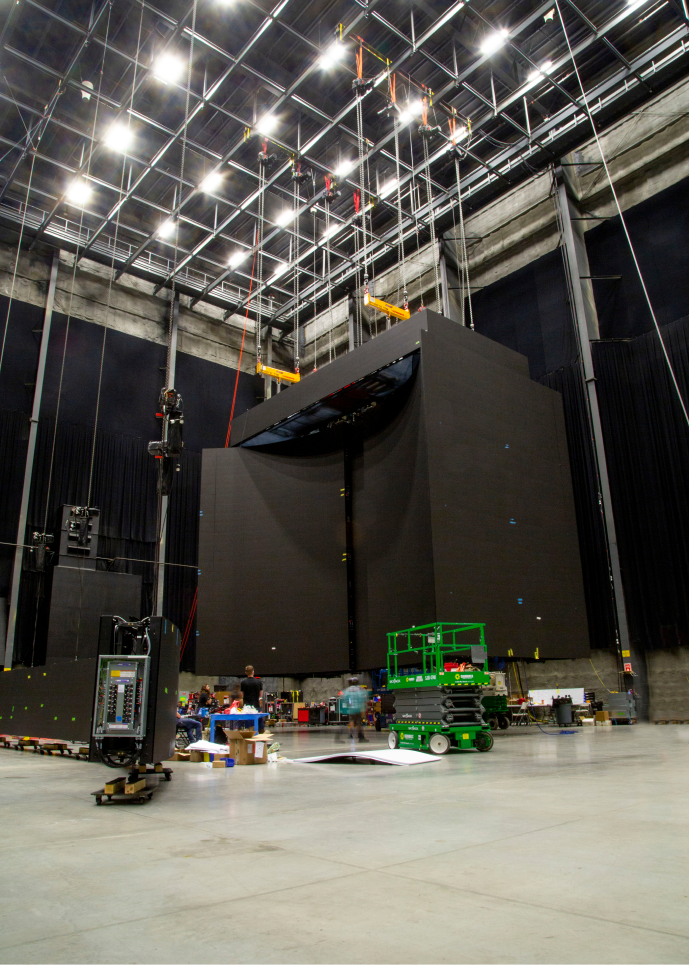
x=354, y=703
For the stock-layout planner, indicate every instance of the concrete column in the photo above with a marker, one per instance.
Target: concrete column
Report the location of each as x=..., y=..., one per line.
x=586, y=321
x=28, y=468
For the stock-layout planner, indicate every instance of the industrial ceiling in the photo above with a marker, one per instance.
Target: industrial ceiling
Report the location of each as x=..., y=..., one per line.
x=131, y=131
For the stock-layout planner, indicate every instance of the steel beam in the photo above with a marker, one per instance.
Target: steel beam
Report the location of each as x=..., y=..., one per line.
x=577, y=268
x=28, y=467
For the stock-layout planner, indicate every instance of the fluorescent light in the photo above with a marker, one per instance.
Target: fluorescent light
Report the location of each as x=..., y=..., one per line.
x=166, y=229
x=280, y=270
x=332, y=230
x=79, y=192
x=168, y=68
x=118, y=137
x=331, y=56
x=344, y=168
x=237, y=258
x=493, y=42
x=285, y=217
x=211, y=182
x=388, y=188
x=460, y=134
x=267, y=124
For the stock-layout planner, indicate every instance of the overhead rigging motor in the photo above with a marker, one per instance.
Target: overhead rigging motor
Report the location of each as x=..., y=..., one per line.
x=170, y=446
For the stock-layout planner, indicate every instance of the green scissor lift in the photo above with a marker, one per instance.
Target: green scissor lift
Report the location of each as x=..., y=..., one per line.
x=435, y=708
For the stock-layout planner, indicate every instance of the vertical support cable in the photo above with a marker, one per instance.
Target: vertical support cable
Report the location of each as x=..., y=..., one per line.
x=28, y=468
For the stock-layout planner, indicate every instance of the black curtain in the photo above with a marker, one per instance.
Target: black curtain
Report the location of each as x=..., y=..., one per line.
x=647, y=444
x=569, y=383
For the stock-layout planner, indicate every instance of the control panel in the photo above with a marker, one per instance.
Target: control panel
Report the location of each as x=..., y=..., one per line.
x=121, y=697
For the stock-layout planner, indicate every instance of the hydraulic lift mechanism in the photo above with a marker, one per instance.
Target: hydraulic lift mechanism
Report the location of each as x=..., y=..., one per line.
x=438, y=679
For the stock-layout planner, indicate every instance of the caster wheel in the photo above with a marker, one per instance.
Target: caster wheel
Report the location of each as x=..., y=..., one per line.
x=493, y=723
x=393, y=739
x=503, y=722
x=168, y=777
x=439, y=744
x=484, y=741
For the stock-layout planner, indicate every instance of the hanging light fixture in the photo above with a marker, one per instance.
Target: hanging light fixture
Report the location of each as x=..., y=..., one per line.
x=79, y=192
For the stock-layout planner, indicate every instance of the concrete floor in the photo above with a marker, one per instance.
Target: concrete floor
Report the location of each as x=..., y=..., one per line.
x=548, y=849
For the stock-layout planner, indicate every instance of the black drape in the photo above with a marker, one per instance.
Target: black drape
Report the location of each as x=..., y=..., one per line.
x=592, y=545
x=647, y=442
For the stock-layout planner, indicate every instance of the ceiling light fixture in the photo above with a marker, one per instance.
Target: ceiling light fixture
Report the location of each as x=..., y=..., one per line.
x=344, y=168
x=332, y=231
x=284, y=217
x=168, y=68
x=494, y=42
x=280, y=270
x=237, y=258
x=388, y=188
x=267, y=124
x=79, y=192
x=331, y=56
x=118, y=137
x=540, y=72
x=211, y=182
x=166, y=229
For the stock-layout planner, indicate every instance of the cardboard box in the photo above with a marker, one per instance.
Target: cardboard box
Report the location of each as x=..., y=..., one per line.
x=602, y=715
x=258, y=748
x=247, y=747
x=196, y=757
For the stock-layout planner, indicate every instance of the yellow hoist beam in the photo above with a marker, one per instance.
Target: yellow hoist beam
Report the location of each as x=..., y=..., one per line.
x=278, y=374
x=386, y=308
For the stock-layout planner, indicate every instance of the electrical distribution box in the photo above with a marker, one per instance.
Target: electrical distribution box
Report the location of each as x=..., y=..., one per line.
x=121, y=697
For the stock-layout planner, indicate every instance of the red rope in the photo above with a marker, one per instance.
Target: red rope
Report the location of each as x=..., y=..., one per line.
x=241, y=351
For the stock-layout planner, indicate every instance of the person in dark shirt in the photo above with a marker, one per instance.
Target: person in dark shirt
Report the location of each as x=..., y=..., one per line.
x=204, y=697
x=252, y=689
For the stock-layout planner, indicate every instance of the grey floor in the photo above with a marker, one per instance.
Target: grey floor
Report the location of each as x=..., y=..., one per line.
x=548, y=849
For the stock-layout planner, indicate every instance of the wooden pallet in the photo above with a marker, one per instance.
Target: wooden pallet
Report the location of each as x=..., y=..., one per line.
x=140, y=796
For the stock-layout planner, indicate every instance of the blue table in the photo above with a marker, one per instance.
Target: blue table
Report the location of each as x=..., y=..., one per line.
x=245, y=718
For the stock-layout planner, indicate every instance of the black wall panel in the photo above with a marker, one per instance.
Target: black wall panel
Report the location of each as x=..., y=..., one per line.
x=393, y=550
x=270, y=554
x=505, y=546
x=51, y=701
x=79, y=598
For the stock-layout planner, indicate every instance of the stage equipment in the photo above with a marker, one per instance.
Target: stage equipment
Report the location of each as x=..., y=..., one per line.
x=134, y=719
x=437, y=677
x=278, y=374
x=451, y=495
x=170, y=447
x=79, y=535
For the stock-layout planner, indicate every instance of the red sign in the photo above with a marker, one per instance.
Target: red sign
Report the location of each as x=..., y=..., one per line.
x=627, y=668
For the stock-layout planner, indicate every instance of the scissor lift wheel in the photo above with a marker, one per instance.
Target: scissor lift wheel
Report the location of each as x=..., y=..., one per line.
x=484, y=741
x=439, y=744
x=393, y=739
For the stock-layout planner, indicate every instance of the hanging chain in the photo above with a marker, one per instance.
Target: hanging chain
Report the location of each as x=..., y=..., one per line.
x=431, y=222
x=328, y=280
x=168, y=363
x=464, y=260
x=297, y=202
